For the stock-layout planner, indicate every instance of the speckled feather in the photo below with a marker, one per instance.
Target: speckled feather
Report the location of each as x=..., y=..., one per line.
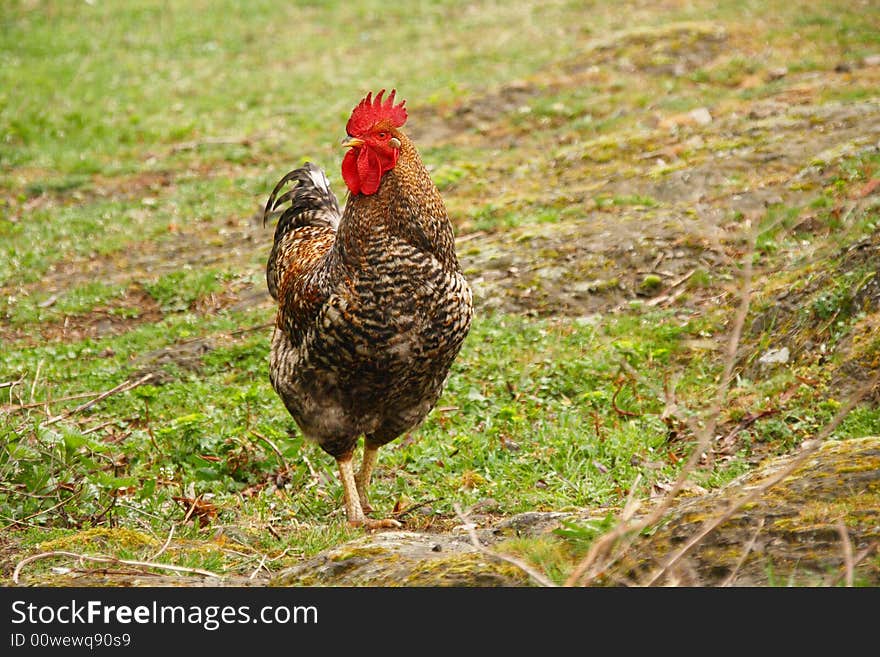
x=372, y=305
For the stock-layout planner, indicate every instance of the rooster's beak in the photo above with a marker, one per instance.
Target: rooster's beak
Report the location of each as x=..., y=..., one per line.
x=351, y=142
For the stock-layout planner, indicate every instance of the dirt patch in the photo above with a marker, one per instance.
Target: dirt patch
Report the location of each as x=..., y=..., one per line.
x=667, y=195
x=117, y=316
x=636, y=224
x=670, y=49
x=807, y=317
x=582, y=267
x=227, y=244
x=186, y=356
x=238, y=245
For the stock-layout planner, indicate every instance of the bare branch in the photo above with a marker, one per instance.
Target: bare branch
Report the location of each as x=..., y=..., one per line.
x=248, y=329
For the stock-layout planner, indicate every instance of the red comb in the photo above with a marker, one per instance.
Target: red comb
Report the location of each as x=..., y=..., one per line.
x=371, y=111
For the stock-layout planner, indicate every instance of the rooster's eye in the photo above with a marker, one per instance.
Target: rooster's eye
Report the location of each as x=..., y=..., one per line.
x=382, y=135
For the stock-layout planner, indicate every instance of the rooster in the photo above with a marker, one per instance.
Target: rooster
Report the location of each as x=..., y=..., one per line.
x=372, y=304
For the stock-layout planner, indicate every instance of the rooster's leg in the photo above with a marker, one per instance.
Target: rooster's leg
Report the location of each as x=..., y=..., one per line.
x=349, y=491
x=353, y=509
x=362, y=478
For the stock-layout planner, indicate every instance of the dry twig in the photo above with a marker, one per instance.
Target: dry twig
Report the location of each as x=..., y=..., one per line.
x=522, y=565
x=165, y=544
x=102, y=559
x=284, y=464
x=749, y=546
x=122, y=387
x=248, y=329
x=11, y=384
x=259, y=567
x=857, y=559
x=21, y=407
x=22, y=521
x=36, y=378
x=622, y=412
x=848, y=560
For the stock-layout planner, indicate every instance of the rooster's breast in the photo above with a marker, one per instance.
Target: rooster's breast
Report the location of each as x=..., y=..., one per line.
x=376, y=356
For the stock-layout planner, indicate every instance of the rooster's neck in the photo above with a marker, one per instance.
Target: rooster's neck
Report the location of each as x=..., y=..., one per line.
x=407, y=206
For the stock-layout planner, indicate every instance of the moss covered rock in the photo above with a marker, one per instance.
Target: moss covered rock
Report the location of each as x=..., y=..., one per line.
x=403, y=559
x=794, y=526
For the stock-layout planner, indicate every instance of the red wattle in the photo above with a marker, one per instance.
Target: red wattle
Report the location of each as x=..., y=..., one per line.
x=350, y=172
x=363, y=168
x=369, y=170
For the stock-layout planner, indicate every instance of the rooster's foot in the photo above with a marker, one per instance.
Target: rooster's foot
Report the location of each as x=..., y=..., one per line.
x=370, y=523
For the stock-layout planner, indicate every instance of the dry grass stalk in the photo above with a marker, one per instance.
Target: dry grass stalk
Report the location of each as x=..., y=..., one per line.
x=808, y=448
x=608, y=548
x=591, y=566
x=16, y=574
x=539, y=577
x=122, y=387
x=745, y=555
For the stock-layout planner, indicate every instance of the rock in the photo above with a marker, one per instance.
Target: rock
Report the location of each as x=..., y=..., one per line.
x=698, y=116
x=792, y=526
x=799, y=542
x=403, y=559
x=777, y=73
x=701, y=116
x=774, y=356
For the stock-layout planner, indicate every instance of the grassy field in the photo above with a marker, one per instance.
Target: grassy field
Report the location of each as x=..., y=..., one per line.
x=603, y=164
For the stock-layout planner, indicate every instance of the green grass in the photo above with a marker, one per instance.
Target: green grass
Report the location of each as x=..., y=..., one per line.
x=178, y=290
x=532, y=422
x=144, y=73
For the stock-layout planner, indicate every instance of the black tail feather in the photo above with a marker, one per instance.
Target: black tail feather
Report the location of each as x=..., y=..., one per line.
x=311, y=201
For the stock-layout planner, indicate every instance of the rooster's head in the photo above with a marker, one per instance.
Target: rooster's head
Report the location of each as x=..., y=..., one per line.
x=373, y=142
